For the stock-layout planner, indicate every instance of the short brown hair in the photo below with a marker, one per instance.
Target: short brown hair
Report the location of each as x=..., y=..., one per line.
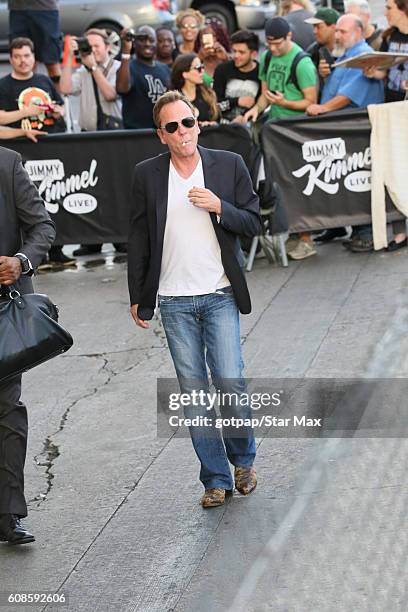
x=19, y=43
x=168, y=98
x=98, y=32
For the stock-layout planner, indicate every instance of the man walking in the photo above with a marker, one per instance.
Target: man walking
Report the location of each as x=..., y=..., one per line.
x=188, y=208
x=22, y=212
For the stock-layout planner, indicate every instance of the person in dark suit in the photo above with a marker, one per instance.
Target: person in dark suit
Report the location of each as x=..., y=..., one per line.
x=188, y=208
x=26, y=233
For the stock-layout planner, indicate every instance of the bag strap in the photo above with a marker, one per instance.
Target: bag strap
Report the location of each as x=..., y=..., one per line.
x=268, y=58
x=293, y=76
x=99, y=111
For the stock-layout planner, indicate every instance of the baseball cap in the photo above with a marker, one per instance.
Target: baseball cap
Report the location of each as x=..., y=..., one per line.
x=277, y=27
x=324, y=14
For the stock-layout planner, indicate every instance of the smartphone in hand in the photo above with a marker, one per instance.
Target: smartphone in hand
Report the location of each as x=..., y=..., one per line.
x=208, y=40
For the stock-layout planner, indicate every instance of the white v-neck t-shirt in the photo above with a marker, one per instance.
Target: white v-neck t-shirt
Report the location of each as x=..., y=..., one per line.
x=191, y=260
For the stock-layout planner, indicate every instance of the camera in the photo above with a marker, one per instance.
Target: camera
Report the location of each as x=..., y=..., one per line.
x=84, y=48
x=130, y=35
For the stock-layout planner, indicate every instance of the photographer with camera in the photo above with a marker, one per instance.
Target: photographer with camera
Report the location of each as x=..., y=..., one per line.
x=94, y=82
x=142, y=80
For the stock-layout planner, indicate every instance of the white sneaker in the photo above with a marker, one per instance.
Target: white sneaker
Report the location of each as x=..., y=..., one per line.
x=302, y=250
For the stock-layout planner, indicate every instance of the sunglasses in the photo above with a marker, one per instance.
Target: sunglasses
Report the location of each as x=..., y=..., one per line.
x=172, y=126
x=199, y=68
x=189, y=26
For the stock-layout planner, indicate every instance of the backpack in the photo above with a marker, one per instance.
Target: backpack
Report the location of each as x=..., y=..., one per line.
x=292, y=75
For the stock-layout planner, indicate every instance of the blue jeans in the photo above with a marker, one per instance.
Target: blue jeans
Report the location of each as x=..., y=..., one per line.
x=204, y=330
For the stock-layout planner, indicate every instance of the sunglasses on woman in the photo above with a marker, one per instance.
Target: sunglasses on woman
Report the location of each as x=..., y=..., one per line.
x=199, y=68
x=172, y=126
x=189, y=26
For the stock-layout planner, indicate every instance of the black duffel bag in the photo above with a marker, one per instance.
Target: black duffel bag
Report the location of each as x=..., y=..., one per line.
x=29, y=332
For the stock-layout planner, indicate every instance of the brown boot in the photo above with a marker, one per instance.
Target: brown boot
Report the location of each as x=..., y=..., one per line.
x=213, y=498
x=245, y=480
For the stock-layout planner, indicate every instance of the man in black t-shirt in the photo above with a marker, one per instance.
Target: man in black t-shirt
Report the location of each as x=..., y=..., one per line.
x=140, y=81
x=236, y=82
x=30, y=100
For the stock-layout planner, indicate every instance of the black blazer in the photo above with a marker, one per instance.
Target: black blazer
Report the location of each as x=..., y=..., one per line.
x=25, y=225
x=226, y=175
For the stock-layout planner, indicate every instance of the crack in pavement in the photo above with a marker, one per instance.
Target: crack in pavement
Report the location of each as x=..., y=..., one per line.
x=50, y=452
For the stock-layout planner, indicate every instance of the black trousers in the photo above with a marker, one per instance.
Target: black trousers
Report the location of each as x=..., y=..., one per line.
x=13, y=446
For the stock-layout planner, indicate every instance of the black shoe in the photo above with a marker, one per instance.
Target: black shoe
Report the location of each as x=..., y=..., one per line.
x=394, y=246
x=331, y=234
x=87, y=249
x=61, y=259
x=120, y=247
x=12, y=531
x=361, y=245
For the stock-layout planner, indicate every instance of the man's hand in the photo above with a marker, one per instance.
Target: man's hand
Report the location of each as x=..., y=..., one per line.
x=204, y=198
x=315, y=109
x=246, y=101
x=239, y=119
x=88, y=60
x=275, y=98
x=73, y=46
x=32, y=134
x=127, y=45
x=10, y=270
x=133, y=311
x=220, y=52
x=374, y=73
x=252, y=114
x=324, y=69
x=57, y=111
x=33, y=110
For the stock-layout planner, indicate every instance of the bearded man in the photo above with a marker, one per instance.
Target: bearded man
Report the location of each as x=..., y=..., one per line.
x=347, y=87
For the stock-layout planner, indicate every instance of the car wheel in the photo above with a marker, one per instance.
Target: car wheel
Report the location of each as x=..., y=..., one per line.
x=113, y=30
x=219, y=12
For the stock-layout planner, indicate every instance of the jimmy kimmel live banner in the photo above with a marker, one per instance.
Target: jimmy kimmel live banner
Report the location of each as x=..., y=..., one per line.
x=85, y=179
x=323, y=166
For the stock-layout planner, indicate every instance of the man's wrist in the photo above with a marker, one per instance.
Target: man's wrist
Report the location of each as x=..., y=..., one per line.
x=26, y=267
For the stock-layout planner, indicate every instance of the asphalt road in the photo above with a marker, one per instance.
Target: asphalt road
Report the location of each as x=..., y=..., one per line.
x=115, y=509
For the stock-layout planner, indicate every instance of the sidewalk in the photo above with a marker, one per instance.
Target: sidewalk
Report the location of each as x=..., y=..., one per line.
x=115, y=510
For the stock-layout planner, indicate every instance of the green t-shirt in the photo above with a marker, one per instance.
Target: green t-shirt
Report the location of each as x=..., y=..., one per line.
x=278, y=75
x=208, y=80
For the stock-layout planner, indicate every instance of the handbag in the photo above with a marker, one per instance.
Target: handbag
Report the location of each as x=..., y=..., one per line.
x=29, y=332
x=104, y=121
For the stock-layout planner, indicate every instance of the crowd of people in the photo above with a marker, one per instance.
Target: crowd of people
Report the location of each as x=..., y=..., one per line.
x=226, y=78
